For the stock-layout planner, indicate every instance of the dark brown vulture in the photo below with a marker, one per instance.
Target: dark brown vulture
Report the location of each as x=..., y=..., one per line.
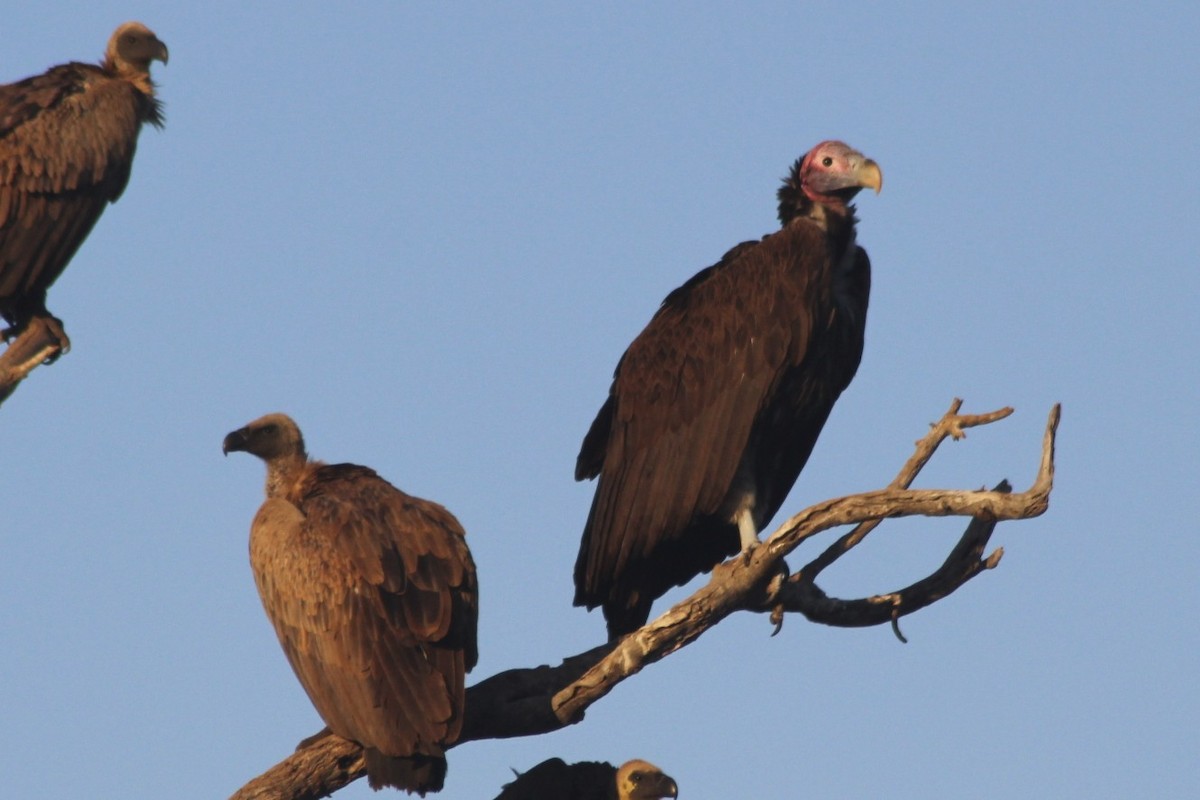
x=715, y=407
x=67, y=139
x=554, y=779
x=372, y=593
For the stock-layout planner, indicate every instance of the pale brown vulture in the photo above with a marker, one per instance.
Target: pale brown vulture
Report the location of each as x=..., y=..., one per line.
x=716, y=405
x=554, y=779
x=67, y=139
x=373, y=595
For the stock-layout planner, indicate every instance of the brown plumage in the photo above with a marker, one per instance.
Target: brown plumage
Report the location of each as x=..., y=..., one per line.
x=554, y=779
x=716, y=405
x=67, y=139
x=373, y=595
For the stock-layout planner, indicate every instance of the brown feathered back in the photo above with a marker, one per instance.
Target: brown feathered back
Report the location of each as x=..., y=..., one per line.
x=554, y=779
x=67, y=142
x=373, y=595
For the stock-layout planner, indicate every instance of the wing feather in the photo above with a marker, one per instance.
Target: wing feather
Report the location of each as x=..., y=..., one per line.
x=372, y=593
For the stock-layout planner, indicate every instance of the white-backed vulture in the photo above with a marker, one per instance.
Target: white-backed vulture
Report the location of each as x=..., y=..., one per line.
x=373, y=595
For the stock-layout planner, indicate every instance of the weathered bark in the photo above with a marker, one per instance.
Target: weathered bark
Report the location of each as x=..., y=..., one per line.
x=528, y=702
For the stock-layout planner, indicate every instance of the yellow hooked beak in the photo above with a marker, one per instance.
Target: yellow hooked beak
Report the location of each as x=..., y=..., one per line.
x=869, y=175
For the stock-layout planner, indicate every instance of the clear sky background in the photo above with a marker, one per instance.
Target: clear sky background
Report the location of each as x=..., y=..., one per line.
x=428, y=231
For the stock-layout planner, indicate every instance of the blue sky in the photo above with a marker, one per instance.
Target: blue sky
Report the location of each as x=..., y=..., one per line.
x=429, y=231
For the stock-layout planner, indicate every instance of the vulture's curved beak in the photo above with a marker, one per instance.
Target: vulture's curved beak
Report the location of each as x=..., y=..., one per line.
x=235, y=441
x=658, y=786
x=869, y=175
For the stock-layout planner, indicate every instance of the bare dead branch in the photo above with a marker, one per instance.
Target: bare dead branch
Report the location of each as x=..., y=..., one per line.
x=317, y=769
x=803, y=596
x=740, y=583
x=951, y=425
x=525, y=702
x=511, y=703
x=35, y=346
x=518, y=702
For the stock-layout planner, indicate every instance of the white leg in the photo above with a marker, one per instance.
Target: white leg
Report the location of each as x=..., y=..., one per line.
x=749, y=535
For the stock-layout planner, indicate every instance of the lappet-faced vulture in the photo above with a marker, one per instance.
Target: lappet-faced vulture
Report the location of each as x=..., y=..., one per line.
x=716, y=405
x=373, y=595
x=67, y=139
x=554, y=779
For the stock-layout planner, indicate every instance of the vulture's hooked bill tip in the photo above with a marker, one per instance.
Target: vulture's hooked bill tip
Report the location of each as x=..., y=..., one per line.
x=234, y=441
x=668, y=788
x=870, y=176
x=160, y=52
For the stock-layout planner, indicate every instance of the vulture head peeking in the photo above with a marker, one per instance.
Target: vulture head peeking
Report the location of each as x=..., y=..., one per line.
x=827, y=178
x=641, y=780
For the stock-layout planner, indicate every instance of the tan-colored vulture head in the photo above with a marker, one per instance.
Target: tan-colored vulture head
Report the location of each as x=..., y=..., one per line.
x=271, y=438
x=641, y=780
x=131, y=49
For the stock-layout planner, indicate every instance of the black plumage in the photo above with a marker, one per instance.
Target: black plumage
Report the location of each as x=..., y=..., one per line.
x=554, y=779
x=716, y=406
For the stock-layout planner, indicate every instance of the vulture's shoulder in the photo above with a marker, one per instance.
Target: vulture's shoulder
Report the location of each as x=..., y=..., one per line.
x=360, y=491
x=23, y=101
x=696, y=285
x=713, y=350
x=553, y=779
x=73, y=127
x=412, y=550
x=340, y=480
x=725, y=323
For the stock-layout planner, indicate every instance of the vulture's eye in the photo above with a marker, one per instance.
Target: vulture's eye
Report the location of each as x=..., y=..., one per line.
x=827, y=161
x=636, y=777
x=269, y=429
